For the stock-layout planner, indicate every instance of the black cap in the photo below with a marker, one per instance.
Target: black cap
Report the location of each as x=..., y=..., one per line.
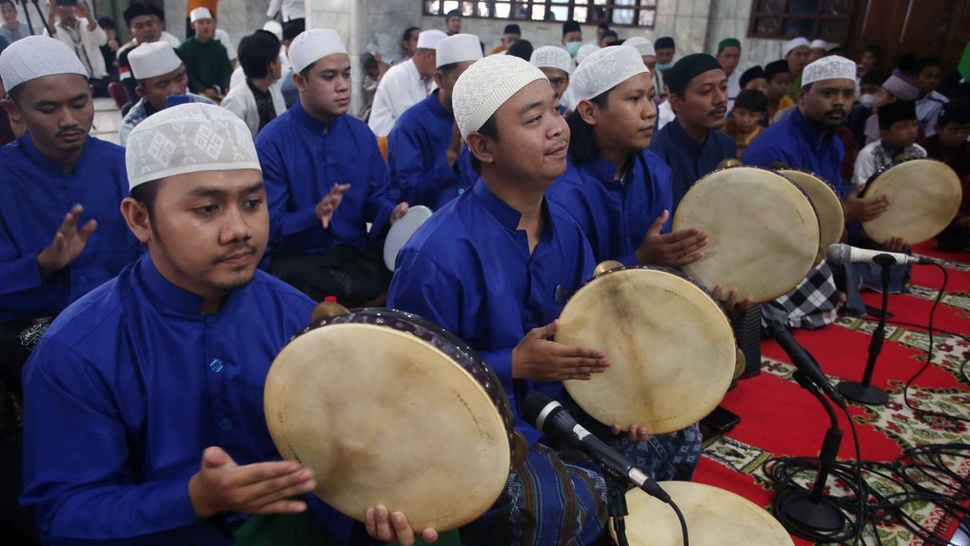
x=752, y=100
x=901, y=110
x=955, y=111
x=750, y=74
x=777, y=67
x=452, y=13
x=521, y=49
x=665, y=42
x=688, y=68
x=293, y=28
x=136, y=10
x=512, y=29
x=571, y=26
x=610, y=32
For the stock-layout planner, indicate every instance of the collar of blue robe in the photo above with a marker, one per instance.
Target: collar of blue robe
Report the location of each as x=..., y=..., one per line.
x=168, y=296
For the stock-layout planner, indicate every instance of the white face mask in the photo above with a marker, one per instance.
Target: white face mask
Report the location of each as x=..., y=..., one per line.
x=867, y=100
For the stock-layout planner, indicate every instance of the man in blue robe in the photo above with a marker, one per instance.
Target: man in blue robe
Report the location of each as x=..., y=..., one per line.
x=428, y=160
x=144, y=403
x=806, y=140
x=60, y=232
x=692, y=144
x=494, y=267
x=326, y=181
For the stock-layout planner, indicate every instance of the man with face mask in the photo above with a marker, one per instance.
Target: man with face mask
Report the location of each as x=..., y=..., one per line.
x=666, y=49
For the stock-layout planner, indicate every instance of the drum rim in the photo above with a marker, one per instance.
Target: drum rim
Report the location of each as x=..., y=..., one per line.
x=411, y=210
x=823, y=248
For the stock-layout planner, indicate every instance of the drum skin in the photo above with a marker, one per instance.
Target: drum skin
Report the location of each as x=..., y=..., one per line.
x=762, y=232
x=389, y=409
x=924, y=197
x=714, y=517
x=828, y=207
x=670, y=345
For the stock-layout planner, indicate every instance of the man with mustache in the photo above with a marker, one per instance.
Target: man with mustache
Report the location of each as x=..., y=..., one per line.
x=60, y=233
x=326, y=181
x=806, y=140
x=488, y=267
x=152, y=385
x=692, y=145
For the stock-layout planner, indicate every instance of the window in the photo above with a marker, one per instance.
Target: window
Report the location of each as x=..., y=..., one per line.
x=640, y=13
x=786, y=19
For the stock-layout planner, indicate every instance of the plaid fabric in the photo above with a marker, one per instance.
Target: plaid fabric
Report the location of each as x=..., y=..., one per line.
x=812, y=304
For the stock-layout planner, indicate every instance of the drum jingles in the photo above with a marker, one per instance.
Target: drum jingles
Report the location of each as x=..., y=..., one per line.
x=387, y=408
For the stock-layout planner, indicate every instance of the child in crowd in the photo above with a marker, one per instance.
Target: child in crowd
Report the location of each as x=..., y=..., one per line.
x=744, y=124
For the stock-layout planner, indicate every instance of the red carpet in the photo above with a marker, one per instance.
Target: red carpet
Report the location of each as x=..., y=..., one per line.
x=779, y=418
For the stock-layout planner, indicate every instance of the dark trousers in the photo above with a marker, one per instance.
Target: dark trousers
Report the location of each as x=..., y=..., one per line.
x=356, y=278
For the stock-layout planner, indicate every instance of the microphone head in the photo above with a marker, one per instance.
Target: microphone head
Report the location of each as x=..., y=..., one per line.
x=533, y=408
x=838, y=253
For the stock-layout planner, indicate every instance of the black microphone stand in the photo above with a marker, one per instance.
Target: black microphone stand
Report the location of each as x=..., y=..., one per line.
x=616, y=487
x=30, y=24
x=863, y=392
x=811, y=510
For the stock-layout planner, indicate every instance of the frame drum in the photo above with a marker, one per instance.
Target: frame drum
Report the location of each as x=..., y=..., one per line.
x=713, y=515
x=762, y=232
x=389, y=409
x=924, y=196
x=828, y=206
x=671, y=347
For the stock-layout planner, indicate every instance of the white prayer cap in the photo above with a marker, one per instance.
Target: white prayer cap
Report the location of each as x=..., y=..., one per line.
x=199, y=13
x=828, y=68
x=36, y=57
x=482, y=89
x=188, y=138
x=605, y=69
x=313, y=45
x=819, y=44
x=642, y=45
x=797, y=42
x=275, y=27
x=552, y=57
x=585, y=51
x=153, y=59
x=428, y=39
x=458, y=48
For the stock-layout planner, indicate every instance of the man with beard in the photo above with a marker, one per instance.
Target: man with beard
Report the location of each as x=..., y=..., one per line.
x=806, y=140
x=692, y=144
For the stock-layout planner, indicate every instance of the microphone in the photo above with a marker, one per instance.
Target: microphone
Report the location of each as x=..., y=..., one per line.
x=844, y=254
x=551, y=418
x=801, y=359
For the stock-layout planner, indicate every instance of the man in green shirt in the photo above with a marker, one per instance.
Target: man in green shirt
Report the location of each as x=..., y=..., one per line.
x=205, y=57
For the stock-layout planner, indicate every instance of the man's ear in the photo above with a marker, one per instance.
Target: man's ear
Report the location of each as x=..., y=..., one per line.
x=676, y=104
x=13, y=111
x=481, y=146
x=136, y=216
x=588, y=111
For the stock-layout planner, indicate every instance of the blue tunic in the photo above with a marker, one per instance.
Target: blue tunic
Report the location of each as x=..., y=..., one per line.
x=615, y=215
x=416, y=154
x=35, y=194
x=302, y=158
x=125, y=391
x=469, y=270
x=688, y=159
x=796, y=143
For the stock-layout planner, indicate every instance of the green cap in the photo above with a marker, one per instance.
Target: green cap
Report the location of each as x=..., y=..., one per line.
x=728, y=42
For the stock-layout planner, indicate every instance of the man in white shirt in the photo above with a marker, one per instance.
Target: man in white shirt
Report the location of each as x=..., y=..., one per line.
x=405, y=84
x=70, y=23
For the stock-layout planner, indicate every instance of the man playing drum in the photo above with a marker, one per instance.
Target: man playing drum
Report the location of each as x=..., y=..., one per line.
x=144, y=402
x=494, y=267
x=806, y=140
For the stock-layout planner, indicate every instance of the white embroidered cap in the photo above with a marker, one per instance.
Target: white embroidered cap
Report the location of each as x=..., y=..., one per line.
x=552, y=57
x=153, y=59
x=828, y=68
x=605, y=69
x=482, y=89
x=428, y=39
x=199, y=13
x=314, y=44
x=458, y=48
x=797, y=42
x=188, y=138
x=36, y=57
x=642, y=45
x=819, y=44
x=585, y=51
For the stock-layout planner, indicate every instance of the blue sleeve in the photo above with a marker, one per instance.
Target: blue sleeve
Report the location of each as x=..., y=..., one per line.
x=381, y=199
x=22, y=293
x=763, y=155
x=663, y=177
x=416, y=183
x=283, y=224
x=77, y=474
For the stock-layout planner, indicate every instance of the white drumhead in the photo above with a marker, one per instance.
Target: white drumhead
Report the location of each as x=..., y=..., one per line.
x=714, y=517
x=671, y=348
x=924, y=197
x=383, y=417
x=402, y=230
x=828, y=207
x=762, y=232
